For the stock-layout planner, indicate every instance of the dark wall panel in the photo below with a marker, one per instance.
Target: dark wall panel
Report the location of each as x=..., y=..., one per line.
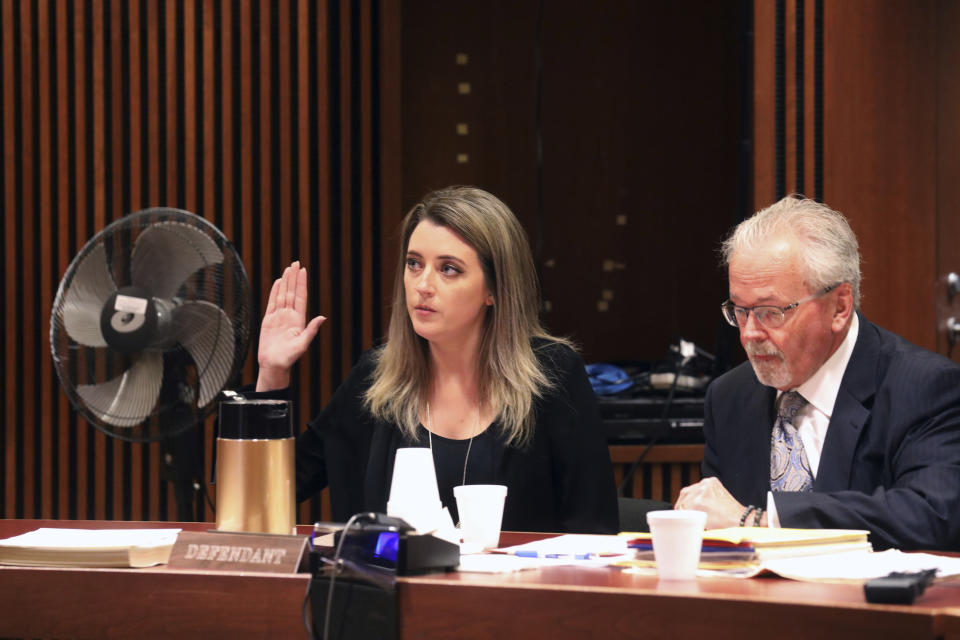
x=948, y=165
x=611, y=130
x=263, y=117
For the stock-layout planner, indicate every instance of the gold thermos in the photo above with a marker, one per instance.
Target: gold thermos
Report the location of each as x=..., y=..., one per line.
x=255, y=467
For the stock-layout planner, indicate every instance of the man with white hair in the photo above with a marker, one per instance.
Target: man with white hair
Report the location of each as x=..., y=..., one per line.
x=834, y=422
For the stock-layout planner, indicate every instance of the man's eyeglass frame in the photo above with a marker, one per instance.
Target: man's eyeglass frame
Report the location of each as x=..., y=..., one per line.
x=729, y=310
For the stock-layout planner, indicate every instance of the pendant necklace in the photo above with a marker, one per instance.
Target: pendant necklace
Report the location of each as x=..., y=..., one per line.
x=466, y=458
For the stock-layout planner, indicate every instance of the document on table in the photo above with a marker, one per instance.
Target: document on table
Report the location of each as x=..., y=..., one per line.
x=841, y=567
x=496, y=563
x=862, y=566
x=574, y=546
x=572, y=549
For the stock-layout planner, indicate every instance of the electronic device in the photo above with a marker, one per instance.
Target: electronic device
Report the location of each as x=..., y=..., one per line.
x=150, y=322
x=385, y=543
x=661, y=402
x=641, y=419
x=898, y=587
x=354, y=591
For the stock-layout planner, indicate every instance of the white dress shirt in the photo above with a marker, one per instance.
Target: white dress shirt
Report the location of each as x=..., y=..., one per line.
x=813, y=419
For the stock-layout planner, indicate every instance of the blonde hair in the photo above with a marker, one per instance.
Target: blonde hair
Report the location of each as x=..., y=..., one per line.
x=831, y=254
x=510, y=377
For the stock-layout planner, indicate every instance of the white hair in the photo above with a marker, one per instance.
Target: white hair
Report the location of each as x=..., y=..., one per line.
x=828, y=247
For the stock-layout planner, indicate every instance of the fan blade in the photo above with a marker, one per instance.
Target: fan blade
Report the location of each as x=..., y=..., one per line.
x=206, y=333
x=125, y=401
x=85, y=296
x=165, y=255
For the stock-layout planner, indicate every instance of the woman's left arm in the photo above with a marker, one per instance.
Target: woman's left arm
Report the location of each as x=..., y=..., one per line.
x=585, y=490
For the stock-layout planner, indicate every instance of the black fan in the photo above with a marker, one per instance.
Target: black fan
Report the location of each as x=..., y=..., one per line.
x=151, y=321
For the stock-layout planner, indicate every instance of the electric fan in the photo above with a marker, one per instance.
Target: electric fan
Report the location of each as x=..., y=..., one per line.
x=151, y=321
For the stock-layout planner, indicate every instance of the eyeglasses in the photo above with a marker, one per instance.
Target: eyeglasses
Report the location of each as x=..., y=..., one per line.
x=769, y=316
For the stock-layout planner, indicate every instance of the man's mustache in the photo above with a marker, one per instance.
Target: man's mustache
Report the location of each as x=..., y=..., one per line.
x=760, y=349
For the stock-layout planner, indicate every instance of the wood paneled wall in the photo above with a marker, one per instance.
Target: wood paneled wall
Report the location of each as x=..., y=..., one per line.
x=266, y=118
x=856, y=104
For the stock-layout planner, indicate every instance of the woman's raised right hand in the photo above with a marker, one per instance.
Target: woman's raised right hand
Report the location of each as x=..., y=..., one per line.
x=284, y=332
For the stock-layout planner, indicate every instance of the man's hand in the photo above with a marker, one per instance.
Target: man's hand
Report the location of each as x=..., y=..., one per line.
x=284, y=333
x=709, y=495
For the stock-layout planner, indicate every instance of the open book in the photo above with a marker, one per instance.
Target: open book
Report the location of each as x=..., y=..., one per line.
x=89, y=547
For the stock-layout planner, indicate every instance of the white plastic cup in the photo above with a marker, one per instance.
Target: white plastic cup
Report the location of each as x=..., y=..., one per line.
x=481, y=513
x=414, y=478
x=677, y=540
x=413, y=489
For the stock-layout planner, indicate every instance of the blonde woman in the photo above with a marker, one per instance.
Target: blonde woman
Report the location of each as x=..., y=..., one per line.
x=467, y=370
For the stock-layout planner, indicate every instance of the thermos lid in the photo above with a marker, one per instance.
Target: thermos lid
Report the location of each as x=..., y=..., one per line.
x=255, y=420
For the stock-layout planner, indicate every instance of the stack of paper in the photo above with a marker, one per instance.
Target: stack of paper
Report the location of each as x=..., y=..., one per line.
x=748, y=550
x=89, y=547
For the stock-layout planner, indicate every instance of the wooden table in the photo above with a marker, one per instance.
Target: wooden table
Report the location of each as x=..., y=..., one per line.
x=156, y=602
x=950, y=624
x=580, y=603
x=555, y=603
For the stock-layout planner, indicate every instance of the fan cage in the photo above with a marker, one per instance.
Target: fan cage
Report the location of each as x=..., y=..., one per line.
x=224, y=285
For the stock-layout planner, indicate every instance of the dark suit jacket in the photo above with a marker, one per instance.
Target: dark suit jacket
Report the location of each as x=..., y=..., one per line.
x=891, y=457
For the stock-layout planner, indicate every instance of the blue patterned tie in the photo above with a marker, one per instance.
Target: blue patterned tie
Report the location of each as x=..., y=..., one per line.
x=789, y=469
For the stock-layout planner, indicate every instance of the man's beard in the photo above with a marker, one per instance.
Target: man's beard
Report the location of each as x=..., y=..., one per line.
x=771, y=373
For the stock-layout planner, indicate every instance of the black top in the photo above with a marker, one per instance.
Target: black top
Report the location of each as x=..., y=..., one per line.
x=460, y=462
x=561, y=481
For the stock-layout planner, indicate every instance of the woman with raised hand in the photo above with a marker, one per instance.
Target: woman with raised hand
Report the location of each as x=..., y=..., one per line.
x=467, y=370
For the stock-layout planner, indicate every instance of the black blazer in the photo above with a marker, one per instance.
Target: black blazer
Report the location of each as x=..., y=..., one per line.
x=891, y=457
x=563, y=481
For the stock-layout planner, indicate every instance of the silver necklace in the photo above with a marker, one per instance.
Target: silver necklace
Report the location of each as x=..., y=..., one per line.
x=466, y=458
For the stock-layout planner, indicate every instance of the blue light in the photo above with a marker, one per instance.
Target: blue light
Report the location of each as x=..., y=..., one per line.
x=386, y=547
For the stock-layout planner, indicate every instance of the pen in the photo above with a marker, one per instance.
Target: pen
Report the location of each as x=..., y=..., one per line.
x=530, y=553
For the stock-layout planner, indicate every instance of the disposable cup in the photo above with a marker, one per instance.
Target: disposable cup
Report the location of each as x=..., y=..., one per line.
x=413, y=490
x=414, y=478
x=481, y=513
x=677, y=539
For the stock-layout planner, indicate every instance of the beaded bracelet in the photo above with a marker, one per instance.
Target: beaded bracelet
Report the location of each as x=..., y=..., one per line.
x=746, y=514
x=756, y=517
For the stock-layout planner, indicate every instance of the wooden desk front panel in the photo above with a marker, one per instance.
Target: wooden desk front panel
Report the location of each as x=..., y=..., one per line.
x=554, y=603
x=950, y=624
x=581, y=603
x=156, y=602
x=149, y=603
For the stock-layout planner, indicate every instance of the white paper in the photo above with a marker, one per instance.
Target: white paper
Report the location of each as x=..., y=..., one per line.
x=575, y=544
x=495, y=563
x=858, y=566
x=55, y=538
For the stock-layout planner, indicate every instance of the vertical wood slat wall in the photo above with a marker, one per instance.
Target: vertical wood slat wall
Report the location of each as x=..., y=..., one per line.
x=788, y=100
x=263, y=117
x=664, y=469
x=854, y=104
